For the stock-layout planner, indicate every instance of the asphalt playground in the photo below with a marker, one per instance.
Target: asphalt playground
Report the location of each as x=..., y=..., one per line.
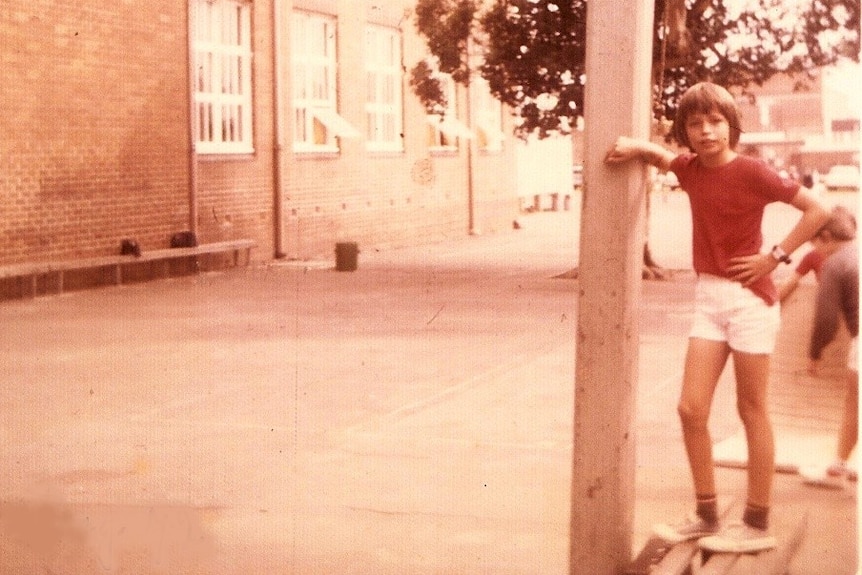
x=411, y=417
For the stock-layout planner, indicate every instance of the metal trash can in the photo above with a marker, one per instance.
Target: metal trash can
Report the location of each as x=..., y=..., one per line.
x=346, y=256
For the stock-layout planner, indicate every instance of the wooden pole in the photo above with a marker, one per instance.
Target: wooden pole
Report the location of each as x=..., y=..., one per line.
x=617, y=102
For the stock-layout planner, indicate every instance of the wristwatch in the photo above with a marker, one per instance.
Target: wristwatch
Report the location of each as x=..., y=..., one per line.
x=779, y=255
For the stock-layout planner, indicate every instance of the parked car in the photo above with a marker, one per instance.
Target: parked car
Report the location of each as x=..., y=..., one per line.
x=842, y=177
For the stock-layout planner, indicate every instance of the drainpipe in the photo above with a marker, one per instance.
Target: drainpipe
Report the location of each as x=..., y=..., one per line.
x=193, y=156
x=471, y=192
x=278, y=134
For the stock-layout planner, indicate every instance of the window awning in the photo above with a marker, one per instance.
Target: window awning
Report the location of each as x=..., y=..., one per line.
x=452, y=127
x=339, y=127
x=493, y=133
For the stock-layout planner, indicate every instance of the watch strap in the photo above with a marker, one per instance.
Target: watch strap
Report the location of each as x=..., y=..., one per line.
x=779, y=255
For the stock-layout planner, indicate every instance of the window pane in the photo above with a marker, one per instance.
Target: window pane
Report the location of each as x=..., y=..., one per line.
x=384, y=100
x=319, y=86
x=299, y=124
x=222, y=52
x=389, y=89
x=314, y=69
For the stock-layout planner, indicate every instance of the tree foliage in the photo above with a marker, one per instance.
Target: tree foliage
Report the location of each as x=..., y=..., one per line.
x=533, y=51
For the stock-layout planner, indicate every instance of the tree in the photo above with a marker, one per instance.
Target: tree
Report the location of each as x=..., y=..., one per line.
x=533, y=50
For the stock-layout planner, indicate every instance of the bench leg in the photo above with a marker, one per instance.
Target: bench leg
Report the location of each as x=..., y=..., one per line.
x=33, y=282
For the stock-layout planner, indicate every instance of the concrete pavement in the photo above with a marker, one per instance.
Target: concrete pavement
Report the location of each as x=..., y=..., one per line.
x=411, y=417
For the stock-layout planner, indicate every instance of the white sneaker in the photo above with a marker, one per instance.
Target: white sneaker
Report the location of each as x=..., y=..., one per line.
x=692, y=527
x=834, y=476
x=738, y=538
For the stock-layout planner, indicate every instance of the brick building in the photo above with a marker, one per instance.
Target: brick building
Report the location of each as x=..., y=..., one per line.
x=289, y=123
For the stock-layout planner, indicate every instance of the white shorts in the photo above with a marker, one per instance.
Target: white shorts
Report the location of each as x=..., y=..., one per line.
x=726, y=311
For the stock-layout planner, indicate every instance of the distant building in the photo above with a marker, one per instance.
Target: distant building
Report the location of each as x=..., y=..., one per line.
x=289, y=123
x=804, y=124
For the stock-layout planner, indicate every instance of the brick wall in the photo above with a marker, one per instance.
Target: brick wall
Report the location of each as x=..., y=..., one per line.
x=391, y=199
x=93, y=146
x=95, y=143
x=234, y=193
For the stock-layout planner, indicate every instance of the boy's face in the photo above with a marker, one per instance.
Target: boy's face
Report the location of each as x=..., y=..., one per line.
x=708, y=133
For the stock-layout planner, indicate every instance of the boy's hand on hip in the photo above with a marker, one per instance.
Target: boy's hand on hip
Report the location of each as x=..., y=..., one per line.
x=748, y=269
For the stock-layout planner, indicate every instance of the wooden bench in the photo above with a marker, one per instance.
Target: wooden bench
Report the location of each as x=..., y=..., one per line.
x=31, y=272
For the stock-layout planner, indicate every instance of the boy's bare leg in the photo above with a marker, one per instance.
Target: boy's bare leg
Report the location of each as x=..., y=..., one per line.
x=850, y=418
x=752, y=382
x=704, y=363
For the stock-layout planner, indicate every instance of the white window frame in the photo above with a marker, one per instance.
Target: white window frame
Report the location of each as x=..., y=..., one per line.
x=316, y=122
x=385, y=90
x=222, y=67
x=488, y=117
x=445, y=128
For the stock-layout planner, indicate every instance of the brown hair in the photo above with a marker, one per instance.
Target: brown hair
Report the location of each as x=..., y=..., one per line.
x=841, y=225
x=704, y=98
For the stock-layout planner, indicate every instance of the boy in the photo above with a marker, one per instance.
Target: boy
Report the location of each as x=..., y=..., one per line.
x=811, y=262
x=838, y=294
x=735, y=297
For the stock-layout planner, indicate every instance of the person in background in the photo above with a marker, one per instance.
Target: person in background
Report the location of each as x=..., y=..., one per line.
x=838, y=296
x=811, y=262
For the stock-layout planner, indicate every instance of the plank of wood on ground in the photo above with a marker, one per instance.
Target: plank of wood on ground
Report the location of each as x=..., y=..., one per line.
x=775, y=561
x=772, y=562
x=658, y=557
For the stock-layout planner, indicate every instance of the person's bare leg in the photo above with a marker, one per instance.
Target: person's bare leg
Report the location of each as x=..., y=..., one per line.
x=752, y=382
x=850, y=419
x=704, y=363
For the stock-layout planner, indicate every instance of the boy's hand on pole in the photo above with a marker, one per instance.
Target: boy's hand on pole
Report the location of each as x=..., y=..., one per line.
x=623, y=150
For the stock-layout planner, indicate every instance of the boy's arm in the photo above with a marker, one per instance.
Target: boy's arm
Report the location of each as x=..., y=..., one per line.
x=789, y=287
x=626, y=149
x=748, y=269
x=814, y=216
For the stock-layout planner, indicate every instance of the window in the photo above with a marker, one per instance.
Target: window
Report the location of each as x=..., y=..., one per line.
x=222, y=98
x=384, y=98
x=316, y=123
x=445, y=128
x=488, y=117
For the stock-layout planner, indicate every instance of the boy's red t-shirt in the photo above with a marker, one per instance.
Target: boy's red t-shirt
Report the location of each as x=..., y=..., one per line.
x=727, y=204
